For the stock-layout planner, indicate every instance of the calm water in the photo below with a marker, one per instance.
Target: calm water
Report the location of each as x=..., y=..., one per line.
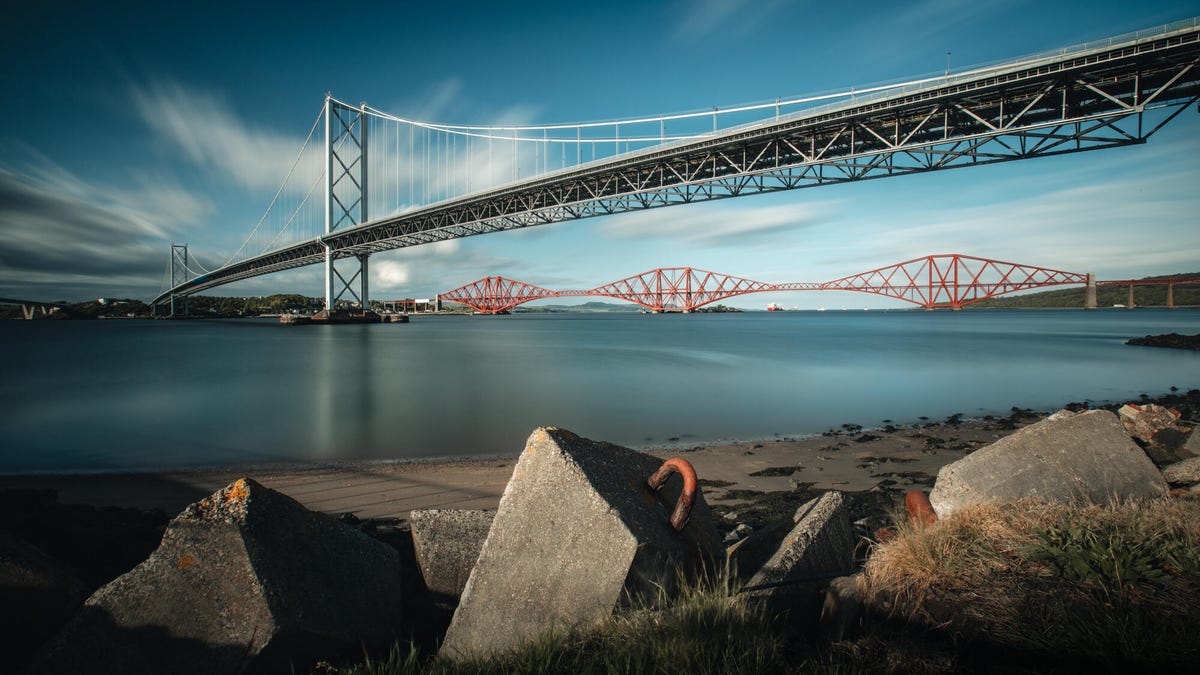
x=120, y=395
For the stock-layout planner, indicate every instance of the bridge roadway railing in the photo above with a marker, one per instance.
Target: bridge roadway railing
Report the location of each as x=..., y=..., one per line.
x=1083, y=99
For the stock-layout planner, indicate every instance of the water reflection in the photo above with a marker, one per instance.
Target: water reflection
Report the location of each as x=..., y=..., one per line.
x=94, y=395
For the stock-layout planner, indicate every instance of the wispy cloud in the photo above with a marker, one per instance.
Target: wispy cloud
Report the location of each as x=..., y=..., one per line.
x=946, y=19
x=67, y=238
x=702, y=18
x=719, y=224
x=202, y=126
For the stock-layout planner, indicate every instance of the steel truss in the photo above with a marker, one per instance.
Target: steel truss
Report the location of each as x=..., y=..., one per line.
x=952, y=280
x=494, y=295
x=678, y=289
x=934, y=281
x=1090, y=99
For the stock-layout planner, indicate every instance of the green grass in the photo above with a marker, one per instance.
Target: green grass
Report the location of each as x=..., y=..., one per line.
x=1113, y=586
x=708, y=628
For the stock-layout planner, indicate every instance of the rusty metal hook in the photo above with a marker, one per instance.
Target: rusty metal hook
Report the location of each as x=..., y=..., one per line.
x=920, y=511
x=683, y=507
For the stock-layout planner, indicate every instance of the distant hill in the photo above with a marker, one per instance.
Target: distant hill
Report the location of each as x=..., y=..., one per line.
x=1106, y=296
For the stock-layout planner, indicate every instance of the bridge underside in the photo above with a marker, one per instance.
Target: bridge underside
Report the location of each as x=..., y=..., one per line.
x=1088, y=100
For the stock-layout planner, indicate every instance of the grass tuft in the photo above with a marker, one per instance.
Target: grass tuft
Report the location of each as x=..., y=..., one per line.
x=1107, y=584
x=707, y=628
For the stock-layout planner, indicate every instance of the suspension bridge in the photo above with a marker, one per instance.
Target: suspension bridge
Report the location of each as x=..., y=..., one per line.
x=366, y=181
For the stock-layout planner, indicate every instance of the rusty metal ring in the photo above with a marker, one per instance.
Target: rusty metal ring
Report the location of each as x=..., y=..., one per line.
x=683, y=507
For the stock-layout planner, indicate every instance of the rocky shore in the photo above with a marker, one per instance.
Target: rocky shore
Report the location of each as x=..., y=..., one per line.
x=78, y=533
x=1170, y=341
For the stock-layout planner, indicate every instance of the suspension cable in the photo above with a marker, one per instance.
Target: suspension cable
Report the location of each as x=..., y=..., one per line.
x=282, y=185
x=464, y=129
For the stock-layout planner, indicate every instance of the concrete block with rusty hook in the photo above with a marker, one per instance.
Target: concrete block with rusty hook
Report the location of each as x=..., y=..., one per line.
x=578, y=533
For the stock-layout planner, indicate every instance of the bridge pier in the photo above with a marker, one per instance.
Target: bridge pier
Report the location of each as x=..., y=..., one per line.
x=356, y=284
x=1130, y=305
x=1170, y=296
x=345, y=193
x=1089, y=301
x=179, y=274
x=364, y=278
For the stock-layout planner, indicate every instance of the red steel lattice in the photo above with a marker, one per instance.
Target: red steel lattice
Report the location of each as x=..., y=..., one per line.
x=952, y=280
x=492, y=295
x=679, y=289
x=946, y=281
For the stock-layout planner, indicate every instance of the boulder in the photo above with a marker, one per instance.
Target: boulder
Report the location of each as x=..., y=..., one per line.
x=1192, y=445
x=1085, y=457
x=1143, y=421
x=1186, y=472
x=244, y=579
x=577, y=534
x=447, y=544
x=821, y=543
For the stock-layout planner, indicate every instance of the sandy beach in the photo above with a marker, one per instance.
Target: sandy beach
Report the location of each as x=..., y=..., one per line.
x=849, y=459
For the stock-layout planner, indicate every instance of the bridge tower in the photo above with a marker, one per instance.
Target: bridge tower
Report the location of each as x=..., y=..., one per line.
x=345, y=197
x=179, y=273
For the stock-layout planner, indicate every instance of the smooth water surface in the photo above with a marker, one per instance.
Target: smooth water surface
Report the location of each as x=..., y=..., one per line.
x=132, y=395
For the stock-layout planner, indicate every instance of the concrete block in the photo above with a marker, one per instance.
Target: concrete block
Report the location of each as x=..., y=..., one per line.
x=751, y=552
x=1186, y=472
x=1086, y=457
x=244, y=579
x=822, y=542
x=577, y=534
x=447, y=544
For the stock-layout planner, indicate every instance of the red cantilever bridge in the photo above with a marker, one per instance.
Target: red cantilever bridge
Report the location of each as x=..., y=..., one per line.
x=934, y=281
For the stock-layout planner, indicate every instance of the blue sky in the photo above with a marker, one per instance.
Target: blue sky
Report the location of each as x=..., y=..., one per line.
x=134, y=125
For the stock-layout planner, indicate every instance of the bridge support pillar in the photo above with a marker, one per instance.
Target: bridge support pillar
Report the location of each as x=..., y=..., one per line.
x=345, y=194
x=352, y=279
x=179, y=274
x=329, y=272
x=1170, y=296
x=1130, y=305
x=364, y=277
x=1089, y=301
